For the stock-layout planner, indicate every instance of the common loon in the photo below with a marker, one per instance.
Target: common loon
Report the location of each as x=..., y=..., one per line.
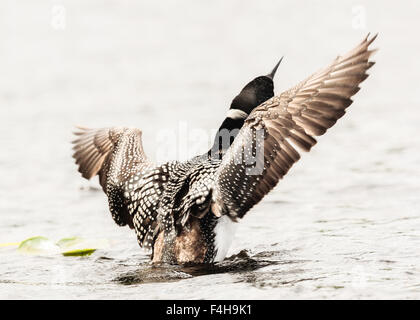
x=186, y=212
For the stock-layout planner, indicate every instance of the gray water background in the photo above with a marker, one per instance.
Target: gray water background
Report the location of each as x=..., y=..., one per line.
x=344, y=223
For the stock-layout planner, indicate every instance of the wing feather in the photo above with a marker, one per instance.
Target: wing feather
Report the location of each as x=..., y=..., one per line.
x=92, y=147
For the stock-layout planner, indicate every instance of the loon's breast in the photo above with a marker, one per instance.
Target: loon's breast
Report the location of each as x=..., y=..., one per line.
x=188, y=246
x=224, y=233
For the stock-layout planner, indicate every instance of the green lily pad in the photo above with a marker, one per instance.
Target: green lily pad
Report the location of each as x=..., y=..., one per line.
x=38, y=245
x=69, y=247
x=75, y=246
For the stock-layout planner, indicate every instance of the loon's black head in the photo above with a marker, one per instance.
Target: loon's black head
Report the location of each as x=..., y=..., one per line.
x=255, y=92
x=251, y=96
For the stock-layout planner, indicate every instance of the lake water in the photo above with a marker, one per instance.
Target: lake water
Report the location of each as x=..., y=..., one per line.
x=344, y=223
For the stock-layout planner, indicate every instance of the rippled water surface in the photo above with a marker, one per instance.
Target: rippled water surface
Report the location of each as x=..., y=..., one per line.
x=344, y=223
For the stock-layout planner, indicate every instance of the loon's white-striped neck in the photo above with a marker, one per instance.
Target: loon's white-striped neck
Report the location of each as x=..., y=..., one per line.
x=236, y=114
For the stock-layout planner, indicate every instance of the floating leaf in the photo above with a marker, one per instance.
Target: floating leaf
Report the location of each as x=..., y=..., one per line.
x=79, y=247
x=69, y=247
x=38, y=245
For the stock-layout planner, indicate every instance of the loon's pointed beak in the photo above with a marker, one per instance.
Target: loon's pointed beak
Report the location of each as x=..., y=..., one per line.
x=273, y=72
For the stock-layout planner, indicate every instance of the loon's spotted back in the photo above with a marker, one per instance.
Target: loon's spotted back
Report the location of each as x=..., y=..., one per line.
x=184, y=210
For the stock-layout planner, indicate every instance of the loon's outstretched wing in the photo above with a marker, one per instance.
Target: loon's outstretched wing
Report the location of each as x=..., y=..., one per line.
x=264, y=151
x=115, y=154
x=95, y=149
x=132, y=183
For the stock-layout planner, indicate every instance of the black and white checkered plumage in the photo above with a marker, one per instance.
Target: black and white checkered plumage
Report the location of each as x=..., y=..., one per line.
x=186, y=211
